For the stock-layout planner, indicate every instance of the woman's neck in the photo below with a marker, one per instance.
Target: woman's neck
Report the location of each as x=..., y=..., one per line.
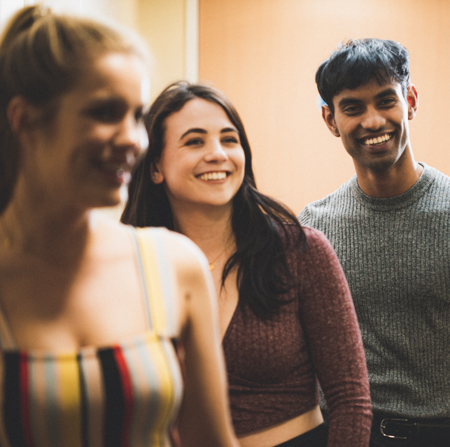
x=44, y=230
x=211, y=231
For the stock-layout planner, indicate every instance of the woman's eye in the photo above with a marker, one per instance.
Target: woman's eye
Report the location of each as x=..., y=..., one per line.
x=110, y=111
x=106, y=114
x=139, y=115
x=194, y=142
x=230, y=140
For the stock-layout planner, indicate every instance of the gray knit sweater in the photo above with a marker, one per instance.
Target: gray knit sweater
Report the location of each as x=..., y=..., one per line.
x=396, y=255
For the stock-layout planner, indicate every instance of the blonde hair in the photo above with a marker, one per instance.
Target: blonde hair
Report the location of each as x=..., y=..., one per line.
x=42, y=55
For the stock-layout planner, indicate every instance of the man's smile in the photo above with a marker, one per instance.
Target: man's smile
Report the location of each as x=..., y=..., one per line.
x=378, y=140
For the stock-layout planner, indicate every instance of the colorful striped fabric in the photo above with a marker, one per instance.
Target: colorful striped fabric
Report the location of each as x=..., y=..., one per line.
x=124, y=395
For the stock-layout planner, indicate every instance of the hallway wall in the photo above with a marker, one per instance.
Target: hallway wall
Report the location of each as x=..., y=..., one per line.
x=264, y=54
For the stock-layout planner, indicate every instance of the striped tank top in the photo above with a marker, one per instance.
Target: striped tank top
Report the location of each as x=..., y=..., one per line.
x=125, y=395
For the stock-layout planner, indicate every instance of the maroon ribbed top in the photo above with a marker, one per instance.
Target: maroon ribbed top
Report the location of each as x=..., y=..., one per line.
x=273, y=366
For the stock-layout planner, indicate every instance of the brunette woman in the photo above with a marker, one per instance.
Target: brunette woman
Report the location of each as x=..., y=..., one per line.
x=286, y=315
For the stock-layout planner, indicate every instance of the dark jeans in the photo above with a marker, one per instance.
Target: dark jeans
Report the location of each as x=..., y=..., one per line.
x=381, y=441
x=317, y=437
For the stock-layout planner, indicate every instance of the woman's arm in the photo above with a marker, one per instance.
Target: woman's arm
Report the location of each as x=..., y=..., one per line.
x=204, y=418
x=330, y=322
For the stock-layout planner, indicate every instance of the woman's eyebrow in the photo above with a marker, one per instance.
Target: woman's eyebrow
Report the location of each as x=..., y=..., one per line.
x=193, y=130
x=229, y=129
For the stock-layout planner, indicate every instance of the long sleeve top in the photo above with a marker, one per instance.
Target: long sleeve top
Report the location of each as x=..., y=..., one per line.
x=274, y=366
x=396, y=255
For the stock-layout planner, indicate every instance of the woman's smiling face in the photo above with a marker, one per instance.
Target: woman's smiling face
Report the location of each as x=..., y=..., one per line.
x=203, y=162
x=91, y=144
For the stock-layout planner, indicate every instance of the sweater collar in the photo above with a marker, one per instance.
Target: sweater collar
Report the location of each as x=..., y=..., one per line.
x=411, y=195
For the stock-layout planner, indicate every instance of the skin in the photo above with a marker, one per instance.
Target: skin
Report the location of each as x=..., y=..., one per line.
x=201, y=139
x=96, y=131
x=69, y=279
x=371, y=111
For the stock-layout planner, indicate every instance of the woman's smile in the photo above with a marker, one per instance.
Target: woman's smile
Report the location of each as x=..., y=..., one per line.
x=213, y=176
x=201, y=143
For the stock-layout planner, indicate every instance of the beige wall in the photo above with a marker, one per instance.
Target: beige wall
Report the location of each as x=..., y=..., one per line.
x=264, y=53
x=123, y=11
x=162, y=24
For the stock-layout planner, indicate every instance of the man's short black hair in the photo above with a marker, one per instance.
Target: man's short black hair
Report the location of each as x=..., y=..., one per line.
x=357, y=62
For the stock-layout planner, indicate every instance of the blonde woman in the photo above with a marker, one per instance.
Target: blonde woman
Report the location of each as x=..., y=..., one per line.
x=91, y=311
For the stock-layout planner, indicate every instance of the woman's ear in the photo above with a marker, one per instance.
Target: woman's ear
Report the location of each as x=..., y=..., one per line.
x=22, y=118
x=155, y=174
x=21, y=114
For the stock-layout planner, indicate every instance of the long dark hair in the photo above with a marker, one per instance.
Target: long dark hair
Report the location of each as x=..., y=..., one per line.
x=264, y=229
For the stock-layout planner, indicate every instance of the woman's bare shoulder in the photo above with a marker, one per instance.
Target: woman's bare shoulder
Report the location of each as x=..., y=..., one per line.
x=185, y=254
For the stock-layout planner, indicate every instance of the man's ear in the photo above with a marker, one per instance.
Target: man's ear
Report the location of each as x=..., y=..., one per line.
x=412, y=97
x=329, y=121
x=155, y=174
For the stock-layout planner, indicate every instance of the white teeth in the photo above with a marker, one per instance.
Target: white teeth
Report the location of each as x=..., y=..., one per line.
x=378, y=140
x=213, y=176
x=124, y=175
x=131, y=158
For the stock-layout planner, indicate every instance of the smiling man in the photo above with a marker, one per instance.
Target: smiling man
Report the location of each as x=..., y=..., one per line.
x=389, y=225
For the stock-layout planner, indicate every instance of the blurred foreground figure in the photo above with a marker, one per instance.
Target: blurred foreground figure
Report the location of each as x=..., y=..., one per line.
x=91, y=310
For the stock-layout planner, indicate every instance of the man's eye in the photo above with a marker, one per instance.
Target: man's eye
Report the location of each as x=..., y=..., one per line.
x=387, y=102
x=351, y=109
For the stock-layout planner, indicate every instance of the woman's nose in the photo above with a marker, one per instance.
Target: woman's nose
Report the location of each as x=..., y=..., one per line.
x=216, y=152
x=132, y=134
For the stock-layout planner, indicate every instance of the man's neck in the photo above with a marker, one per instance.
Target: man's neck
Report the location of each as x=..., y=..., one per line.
x=391, y=182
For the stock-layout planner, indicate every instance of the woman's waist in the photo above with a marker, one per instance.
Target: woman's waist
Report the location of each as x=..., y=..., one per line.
x=283, y=431
x=254, y=412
